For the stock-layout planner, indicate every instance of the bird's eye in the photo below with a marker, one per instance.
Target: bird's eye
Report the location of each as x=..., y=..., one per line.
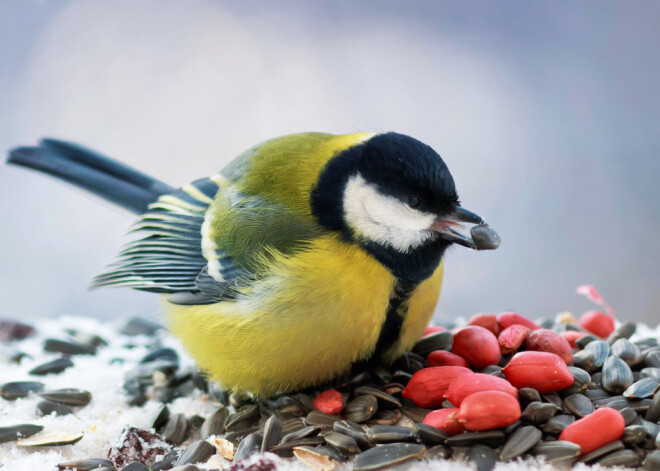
x=414, y=201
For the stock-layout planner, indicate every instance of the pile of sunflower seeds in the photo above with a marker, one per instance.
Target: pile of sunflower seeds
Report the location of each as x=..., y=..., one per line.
x=377, y=428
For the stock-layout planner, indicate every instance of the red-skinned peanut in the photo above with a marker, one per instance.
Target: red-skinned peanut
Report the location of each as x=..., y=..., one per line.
x=445, y=420
x=329, y=401
x=427, y=387
x=487, y=321
x=487, y=410
x=477, y=345
x=545, y=340
x=598, y=323
x=507, y=319
x=543, y=371
x=571, y=336
x=464, y=386
x=512, y=338
x=444, y=358
x=599, y=428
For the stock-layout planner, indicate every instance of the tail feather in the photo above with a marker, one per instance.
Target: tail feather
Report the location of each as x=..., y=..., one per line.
x=103, y=176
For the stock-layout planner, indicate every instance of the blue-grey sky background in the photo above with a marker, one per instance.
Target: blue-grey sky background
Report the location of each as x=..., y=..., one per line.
x=547, y=114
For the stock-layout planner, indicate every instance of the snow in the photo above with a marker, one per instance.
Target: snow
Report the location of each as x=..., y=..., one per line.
x=107, y=414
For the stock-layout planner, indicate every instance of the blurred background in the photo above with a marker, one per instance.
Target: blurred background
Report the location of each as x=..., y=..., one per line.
x=547, y=114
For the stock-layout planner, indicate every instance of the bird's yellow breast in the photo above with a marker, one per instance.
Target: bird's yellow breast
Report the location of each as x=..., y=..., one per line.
x=305, y=322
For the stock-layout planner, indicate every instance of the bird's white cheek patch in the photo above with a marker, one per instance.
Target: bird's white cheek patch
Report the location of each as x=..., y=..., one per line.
x=384, y=219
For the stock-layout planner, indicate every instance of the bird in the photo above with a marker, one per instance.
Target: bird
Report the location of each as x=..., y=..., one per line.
x=307, y=257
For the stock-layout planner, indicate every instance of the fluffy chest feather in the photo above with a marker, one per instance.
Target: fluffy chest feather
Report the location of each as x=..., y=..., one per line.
x=306, y=322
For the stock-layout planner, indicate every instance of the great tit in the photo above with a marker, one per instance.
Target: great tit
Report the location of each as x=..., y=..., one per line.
x=307, y=255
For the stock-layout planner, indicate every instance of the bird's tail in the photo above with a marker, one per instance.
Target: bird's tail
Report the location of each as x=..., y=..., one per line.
x=103, y=176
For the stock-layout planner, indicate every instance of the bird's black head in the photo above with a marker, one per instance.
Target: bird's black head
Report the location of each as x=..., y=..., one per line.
x=395, y=196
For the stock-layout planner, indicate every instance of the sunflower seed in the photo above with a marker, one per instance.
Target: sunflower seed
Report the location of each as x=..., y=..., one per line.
x=485, y=238
x=47, y=407
x=652, y=359
x=248, y=446
x=16, y=389
x=361, y=409
x=585, y=340
x=302, y=433
x=528, y=395
x=401, y=377
x=285, y=450
x=585, y=360
x=553, y=398
x=161, y=417
x=272, y=433
x=581, y=383
x=139, y=326
x=242, y=418
x=600, y=350
x=652, y=462
x=317, y=459
x=430, y=435
x=653, y=373
x=167, y=462
x=433, y=342
x=509, y=429
x=50, y=438
x=287, y=407
x=629, y=415
x=393, y=388
x=482, y=457
x=14, y=432
x=197, y=452
x=174, y=431
x=627, y=351
x=415, y=413
x=390, y=433
x=215, y=423
x=52, y=367
x=617, y=375
x=653, y=412
x=410, y=363
x=633, y=434
x=386, y=417
x=491, y=438
x=341, y=442
x=578, y=405
x=520, y=442
x=645, y=387
x=606, y=449
x=538, y=412
x=558, y=451
x=557, y=424
x=68, y=347
x=357, y=432
x=384, y=399
x=86, y=465
x=387, y=455
x=69, y=396
x=135, y=466
x=627, y=458
x=161, y=354
x=595, y=394
x=292, y=425
x=317, y=417
x=493, y=370
x=624, y=331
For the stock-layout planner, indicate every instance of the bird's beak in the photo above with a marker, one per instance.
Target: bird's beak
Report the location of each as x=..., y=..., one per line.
x=482, y=237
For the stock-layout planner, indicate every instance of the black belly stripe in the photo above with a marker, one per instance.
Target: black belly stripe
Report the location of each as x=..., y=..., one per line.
x=391, y=328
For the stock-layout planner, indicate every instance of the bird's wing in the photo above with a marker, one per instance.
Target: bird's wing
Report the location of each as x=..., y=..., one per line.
x=205, y=241
x=166, y=255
